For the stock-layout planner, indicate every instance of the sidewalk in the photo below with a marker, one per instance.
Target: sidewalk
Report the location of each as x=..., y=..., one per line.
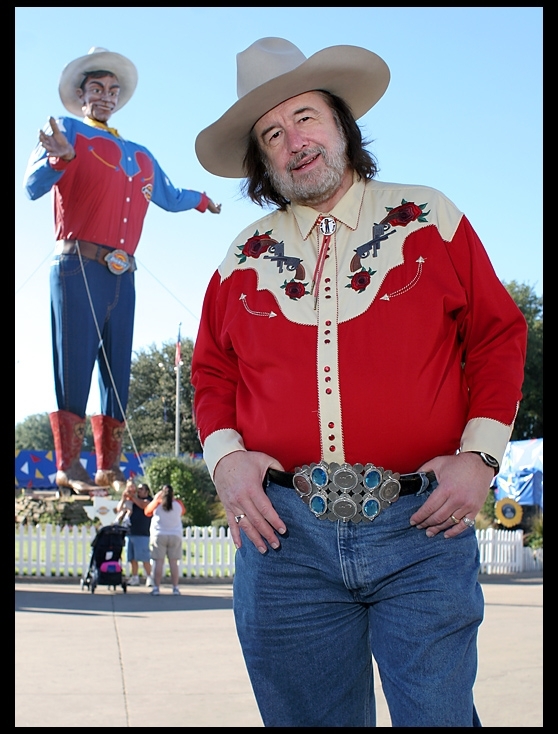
x=111, y=659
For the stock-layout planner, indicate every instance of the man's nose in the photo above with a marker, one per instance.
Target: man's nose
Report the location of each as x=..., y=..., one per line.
x=296, y=141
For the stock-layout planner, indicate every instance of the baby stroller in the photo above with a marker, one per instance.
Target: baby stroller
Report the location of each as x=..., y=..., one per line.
x=105, y=566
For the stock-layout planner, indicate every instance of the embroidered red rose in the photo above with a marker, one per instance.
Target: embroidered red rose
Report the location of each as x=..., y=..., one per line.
x=402, y=215
x=257, y=244
x=408, y=211
x=294, y=289
x=361, y=280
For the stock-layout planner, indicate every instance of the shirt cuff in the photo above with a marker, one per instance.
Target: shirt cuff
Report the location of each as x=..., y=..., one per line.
x=204, y=203
x=219, y=444
x=58, y=164
x=487, y=435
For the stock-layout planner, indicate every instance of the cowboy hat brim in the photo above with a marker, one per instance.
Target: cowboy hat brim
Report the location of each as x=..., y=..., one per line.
x=360, y=77
x=72, y=77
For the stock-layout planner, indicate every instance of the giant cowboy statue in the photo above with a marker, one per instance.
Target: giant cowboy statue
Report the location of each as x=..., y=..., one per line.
x=102, y=185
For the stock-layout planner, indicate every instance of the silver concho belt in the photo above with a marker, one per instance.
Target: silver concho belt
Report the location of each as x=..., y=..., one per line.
x=346, y=491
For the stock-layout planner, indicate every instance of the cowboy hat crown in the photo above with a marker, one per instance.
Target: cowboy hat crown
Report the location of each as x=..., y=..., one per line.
x=95, y=60
x=273, y=70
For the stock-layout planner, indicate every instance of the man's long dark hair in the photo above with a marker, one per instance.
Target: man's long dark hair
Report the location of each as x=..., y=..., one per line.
x=259, y=188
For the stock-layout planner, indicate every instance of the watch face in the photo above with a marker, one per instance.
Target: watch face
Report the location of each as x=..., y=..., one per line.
x=490, y=460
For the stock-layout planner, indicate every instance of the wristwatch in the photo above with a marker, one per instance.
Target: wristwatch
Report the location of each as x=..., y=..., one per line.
x=488, y=460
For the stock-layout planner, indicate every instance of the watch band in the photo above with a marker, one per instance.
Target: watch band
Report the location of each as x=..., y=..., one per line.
x=488, y=460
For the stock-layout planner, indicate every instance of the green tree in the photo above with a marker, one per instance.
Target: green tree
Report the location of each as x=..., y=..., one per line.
x=191, y=483
x=529, y=421
x=35, y=434
x=152, y=401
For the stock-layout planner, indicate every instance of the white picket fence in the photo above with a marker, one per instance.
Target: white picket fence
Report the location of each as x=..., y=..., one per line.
x=502, y=551
x=52, y=550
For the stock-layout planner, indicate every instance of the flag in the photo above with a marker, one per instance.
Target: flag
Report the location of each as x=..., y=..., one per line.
x=178, y=356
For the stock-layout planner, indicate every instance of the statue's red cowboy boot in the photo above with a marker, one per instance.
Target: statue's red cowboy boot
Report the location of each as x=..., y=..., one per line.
x=107, y=434
x=68, y=430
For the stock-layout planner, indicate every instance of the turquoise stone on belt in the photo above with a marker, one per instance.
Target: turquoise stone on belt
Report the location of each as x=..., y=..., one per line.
x=370, y=508
x=318, y=504
x=372, y=478
x=319, y=476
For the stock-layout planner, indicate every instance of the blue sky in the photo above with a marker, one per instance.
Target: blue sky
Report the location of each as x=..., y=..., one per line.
x=463, y=113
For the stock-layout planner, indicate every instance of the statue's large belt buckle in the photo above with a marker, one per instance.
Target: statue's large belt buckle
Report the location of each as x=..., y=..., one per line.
x=346, y=491
x=118, y=261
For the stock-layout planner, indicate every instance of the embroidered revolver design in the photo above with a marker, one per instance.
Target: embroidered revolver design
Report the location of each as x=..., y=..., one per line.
x=363, y=251
x=292, y=264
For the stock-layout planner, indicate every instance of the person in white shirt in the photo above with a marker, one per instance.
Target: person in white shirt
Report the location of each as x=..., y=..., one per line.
x=166, y=534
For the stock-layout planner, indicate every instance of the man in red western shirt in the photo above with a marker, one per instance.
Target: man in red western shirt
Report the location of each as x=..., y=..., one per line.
x=358, y=370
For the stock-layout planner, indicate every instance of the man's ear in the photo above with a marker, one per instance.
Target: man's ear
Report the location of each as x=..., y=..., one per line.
x=79, y=92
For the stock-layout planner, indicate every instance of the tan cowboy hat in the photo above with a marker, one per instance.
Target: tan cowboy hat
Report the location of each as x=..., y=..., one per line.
x=273, y=70
x=97, y=59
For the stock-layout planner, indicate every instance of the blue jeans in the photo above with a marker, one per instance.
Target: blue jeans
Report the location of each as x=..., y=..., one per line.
x=311, y=614
x=75, y=341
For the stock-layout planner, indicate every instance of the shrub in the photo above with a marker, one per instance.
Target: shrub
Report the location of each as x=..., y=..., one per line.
x=534, y=538
x=487, y=515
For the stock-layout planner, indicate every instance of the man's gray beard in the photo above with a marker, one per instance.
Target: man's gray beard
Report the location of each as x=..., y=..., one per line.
x=311, y=192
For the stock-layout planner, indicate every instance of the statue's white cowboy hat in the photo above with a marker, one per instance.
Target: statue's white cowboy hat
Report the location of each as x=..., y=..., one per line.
x=96, y=59
x=273, y=70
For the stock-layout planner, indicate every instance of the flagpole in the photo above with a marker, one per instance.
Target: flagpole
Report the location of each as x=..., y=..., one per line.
x=178, y=363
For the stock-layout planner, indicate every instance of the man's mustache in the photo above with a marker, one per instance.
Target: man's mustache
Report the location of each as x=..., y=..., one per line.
x=300, y=157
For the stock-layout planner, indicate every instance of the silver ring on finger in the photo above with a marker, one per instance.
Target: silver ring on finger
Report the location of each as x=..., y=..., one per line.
x=238, y=518
x=467, y=520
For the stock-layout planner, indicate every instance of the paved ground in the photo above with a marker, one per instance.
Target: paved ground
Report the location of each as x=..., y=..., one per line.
x=111, y=659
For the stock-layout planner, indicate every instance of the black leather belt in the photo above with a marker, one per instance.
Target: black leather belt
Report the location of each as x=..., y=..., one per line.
x=350, y=492
x=117, y=261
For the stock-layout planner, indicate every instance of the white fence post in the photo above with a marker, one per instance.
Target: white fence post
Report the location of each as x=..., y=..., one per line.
x=56, y=541
x=19, y=547
x=48, y=549
x=30, y=533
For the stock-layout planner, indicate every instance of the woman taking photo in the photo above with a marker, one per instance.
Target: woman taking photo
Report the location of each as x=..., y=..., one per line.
x=165, y=535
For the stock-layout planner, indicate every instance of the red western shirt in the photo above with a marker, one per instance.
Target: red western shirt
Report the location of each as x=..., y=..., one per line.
x=102, y=194
x=412, y=352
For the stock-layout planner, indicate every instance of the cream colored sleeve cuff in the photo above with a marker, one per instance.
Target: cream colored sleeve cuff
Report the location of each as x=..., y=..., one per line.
x=487, y=435
x=219, y=444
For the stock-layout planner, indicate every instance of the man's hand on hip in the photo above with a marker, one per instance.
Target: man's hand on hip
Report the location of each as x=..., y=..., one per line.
x=238, y=478
x=463, y=484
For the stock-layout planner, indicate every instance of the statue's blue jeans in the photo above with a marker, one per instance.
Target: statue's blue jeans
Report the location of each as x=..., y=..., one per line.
x=75, y=340
x=311, y=615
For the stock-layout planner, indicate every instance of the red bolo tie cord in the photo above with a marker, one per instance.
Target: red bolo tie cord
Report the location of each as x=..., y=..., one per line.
x=319, y=268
